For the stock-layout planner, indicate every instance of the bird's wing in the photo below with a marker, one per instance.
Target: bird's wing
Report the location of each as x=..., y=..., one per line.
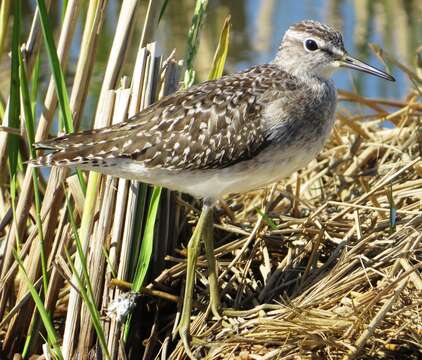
x=214, y=124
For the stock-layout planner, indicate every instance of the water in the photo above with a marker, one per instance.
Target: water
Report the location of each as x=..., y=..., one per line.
x=257, y=29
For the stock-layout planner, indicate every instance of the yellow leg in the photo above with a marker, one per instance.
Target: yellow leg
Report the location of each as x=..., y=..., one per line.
x=193, y=248
x=208, y=236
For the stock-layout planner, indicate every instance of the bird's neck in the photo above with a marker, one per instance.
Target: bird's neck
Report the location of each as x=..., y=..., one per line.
x=309, y=79
x=302, y=69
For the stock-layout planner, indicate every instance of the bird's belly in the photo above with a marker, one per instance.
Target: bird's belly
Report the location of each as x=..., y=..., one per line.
x=267, y=167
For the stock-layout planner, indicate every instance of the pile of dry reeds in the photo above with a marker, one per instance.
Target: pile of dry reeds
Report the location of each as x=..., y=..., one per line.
x=327, y=263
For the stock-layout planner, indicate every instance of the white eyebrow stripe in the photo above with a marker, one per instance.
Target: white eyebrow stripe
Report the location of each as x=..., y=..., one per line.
x=297, y=35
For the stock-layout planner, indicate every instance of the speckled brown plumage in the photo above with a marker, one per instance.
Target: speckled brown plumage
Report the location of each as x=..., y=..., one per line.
x=214, y=124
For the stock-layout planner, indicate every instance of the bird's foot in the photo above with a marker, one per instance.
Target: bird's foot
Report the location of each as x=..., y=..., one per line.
x=184, y=333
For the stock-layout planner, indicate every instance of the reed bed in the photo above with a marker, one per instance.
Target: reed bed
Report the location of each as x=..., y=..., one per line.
x=325, y=264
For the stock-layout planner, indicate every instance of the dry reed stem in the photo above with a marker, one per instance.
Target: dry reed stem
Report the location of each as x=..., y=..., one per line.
x=114, y=65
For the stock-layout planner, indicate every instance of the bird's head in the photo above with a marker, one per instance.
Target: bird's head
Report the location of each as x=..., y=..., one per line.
x=310, y=48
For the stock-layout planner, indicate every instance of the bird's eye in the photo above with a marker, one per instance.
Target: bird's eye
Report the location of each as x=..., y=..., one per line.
x=311, y=45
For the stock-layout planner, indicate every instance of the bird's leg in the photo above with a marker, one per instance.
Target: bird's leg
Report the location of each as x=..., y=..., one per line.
x=193, y=248
x=208, y=236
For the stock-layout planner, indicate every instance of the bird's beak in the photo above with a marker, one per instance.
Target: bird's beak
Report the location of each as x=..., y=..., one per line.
x=352, y=63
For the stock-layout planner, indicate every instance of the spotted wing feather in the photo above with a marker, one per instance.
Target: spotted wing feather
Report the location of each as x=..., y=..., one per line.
x=214, y=124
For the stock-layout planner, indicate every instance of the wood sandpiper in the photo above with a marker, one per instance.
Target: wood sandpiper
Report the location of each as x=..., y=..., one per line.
x=230, y=135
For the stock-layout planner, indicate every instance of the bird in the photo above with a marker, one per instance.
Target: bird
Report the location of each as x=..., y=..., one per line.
x=230, y=135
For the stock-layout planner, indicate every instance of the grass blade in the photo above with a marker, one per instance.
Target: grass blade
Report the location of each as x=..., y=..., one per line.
x=145, y=252
x=58, y=76
x=30, y=132
x=45, y=317
x=220, y=55
x=14, y=107
x=193, y=41
x=163, y=10
x=147, y=241
x=56, y=69
x=267, y=219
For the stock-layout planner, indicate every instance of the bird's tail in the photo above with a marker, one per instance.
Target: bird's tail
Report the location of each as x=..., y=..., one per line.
x=71, y=150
